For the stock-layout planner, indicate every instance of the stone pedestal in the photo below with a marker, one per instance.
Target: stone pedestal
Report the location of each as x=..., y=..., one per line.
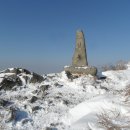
x=81, y=70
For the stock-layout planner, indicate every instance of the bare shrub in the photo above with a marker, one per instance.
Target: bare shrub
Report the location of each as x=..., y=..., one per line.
x=127, y=90
x=126, y=93
x=108, y=67
x=2, y=126
x=120, y=65
x=113, y=120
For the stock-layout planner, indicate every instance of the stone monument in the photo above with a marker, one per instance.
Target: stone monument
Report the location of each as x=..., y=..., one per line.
x=79, y=62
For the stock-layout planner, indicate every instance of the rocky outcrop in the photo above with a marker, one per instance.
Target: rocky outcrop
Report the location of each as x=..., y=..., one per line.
x=16, y=71
x=17, y=77
x=10, y=81
x=36, y=78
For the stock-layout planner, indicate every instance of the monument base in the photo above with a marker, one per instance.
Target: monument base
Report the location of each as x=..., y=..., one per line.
x=85, y=70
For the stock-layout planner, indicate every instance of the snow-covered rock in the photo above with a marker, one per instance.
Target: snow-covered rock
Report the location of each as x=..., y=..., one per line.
x=56, y=102
x=17, y=77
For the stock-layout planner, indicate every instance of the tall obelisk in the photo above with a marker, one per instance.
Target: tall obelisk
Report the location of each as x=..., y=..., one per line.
x=79, y=61
x=80, y=56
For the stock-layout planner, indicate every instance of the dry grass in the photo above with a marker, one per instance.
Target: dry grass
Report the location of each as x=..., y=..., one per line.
x=113, y=120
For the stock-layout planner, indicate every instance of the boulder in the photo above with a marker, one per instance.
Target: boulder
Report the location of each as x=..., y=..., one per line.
x=36, y=78
x=33, y=99
x=12, y=114
x=10, y=81
x=49, y=128
x=3, y=103
x=15, y=70
x=58, y=84
x=44, y=87
x=12, y=70
x=25, y=71
x=17, y=77
x=35, y=108
x=26, y=78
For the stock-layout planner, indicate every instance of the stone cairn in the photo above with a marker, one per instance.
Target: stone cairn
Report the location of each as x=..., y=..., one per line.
x=79, y=62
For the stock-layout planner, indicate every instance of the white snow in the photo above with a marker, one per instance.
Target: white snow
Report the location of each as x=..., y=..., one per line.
x=82, y=67
x=67, y=104
x=120, y=78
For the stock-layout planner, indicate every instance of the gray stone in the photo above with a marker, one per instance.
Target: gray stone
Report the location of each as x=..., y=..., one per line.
x=36, y=78
x=25, y=71
x=79, y=60
x=12, y=114
x=25, y=121
x=58, y=84
x=13, y=70
x=80, y=57
x=81, y=70
x=35, y=108
x=16, y=71
x=3, y=102
x=14, y=79
x=44, y=87
x=33, y=99
x=49, y=128
x=26, y=78
x=10, y=81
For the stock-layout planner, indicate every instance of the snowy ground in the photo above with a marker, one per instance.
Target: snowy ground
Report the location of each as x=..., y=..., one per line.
x=63, y=104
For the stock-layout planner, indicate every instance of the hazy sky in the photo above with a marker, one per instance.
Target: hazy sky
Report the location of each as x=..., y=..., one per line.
x=40, y=34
